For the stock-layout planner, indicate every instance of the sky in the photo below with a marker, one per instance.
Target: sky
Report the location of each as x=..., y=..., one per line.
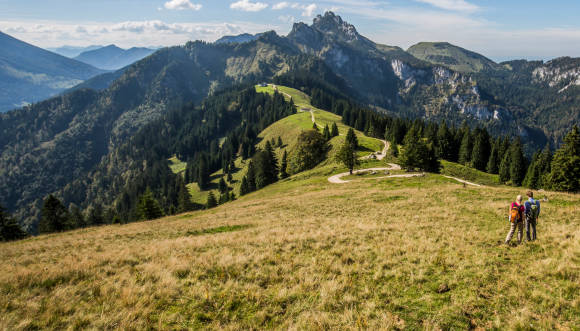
x=498, y=29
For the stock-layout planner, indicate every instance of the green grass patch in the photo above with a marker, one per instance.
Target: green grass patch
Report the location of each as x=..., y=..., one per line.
x=219, y=229
x=177, y=166
x=467, y=173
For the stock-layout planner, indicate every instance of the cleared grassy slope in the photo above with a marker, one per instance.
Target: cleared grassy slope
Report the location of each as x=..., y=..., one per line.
x=288, y=129
x=303, y=253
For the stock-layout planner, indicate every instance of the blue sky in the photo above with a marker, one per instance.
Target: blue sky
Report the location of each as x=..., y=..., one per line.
x=498, y=29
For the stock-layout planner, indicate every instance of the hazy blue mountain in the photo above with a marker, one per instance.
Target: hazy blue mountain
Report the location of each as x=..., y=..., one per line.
x=72, y=51
x=31, y=74
x=242, y=38
x=112, y=57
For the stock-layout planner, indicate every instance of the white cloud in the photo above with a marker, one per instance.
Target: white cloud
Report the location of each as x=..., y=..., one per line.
x=246, y=5
x=287, y=18
x=281, y=5
x=125, y=34
x=182, y=5
x=309, y=10
x=456, y=5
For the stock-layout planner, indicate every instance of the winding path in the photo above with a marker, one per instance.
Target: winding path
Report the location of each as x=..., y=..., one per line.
x=337, y=179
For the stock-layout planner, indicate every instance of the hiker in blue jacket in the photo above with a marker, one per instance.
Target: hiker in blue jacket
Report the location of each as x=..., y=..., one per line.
x=532, y=212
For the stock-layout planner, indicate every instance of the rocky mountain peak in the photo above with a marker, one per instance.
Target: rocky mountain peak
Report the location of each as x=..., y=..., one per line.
x=333, y=24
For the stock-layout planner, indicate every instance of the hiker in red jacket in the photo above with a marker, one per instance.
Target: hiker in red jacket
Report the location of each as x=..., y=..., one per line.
x=516, y=217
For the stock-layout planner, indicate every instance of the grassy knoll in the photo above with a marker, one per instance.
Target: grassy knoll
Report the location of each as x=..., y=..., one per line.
x=306, y=254
x=288, y=129
x=467, y=173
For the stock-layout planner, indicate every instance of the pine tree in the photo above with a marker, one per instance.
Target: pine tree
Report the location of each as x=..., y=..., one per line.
x=211, y=201
x=222, y=186
x=244, y=189
x=334, y=130
x=266, y=166
x=284, y=166
x=544, y=167
x=481, y=149
x=203, y=173
x=251, y=177
x=280, y=143
x=565, y=167
x=184, y=198
x=326, y=133
x=96, y=216
x=532, y=178
x=54, y=216
x=148, y=207
x=444, y=142
x=9, y=228
x=77, y=220
x=504, y=168
x=351, y=138
x=347, y=155
x=393, y=149
x=517, y=164
x=466, y=148
x=494, y=159
x=314, y=126
x=418, y=154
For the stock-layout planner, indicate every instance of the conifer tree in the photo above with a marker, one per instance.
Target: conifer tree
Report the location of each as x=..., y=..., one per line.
x=351, y=138
x=393, y=149
x=347, y=155
x=481, y=149
x=96, y=216
x=203, y=173
x=494, y=159
x=532, y=178
x=54, y=216
x=77, y=218
x=280, y=143
x=565, y=167
x=314, y=126
x=517, y=164
x=284, y=165
x=326, y=133
x=266, y=166
x=334, y=130
x=504, y=168
x=244, y=189
x=466, y=148
x=444, y=142
x=222, y=186
x=148, y=207
x=184, y=198
x=9, y=228
x=251, y=177
x=211, y=201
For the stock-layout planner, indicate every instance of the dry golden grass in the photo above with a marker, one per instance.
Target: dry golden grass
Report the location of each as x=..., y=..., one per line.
x=379, y=254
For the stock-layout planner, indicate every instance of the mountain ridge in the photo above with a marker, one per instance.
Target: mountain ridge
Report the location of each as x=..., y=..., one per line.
x=31, y=74
x=111, y=57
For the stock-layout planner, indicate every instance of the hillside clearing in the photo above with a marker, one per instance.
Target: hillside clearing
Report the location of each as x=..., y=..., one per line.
x=391, y=253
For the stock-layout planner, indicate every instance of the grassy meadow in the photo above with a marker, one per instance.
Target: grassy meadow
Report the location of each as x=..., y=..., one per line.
x=399, y=253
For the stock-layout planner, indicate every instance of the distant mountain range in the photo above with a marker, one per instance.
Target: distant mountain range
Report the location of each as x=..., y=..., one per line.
x=112, y=57
x=31, y=74
x=72, y=51
x=242, y=38
x=69, y=144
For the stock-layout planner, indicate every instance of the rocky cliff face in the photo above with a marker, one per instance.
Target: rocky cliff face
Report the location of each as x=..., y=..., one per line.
x=561, y=73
